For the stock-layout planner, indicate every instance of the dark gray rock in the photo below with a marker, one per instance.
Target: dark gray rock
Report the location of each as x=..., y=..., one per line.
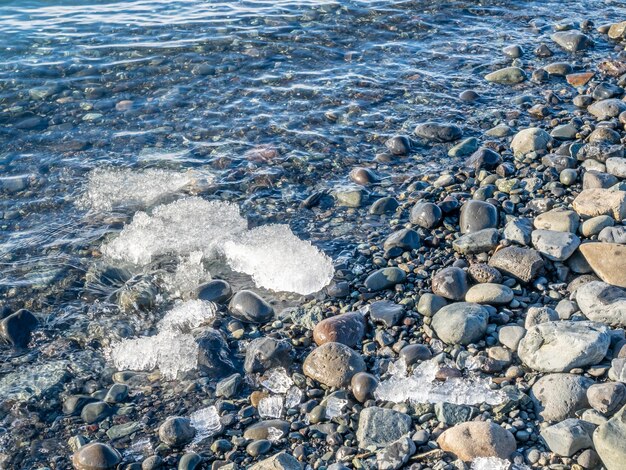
x=481, y=241
x=572, y=41
x=176, y=431
x=96, y=412
x=425, y=214
x=96, y=456
x=266, y=353
x=16, y=329
x=386, y=312
x=521, y=263
x=396, y=454
x=450, y=283
x=385, y=278
x=380, y=427
x=250, y=307
x=217, y=291
x=478, y=215
x=438, y=132
x=214, y=356
x=401, y=241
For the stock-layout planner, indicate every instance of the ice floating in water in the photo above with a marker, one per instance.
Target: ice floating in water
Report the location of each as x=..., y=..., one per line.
x=271, y=407
x=188, y=315
x=274, y=257
x=180, y=228
x=171, y=350
x=278, y=260
x=189, y=274
x=422, y=387
x=494, y=463
x=206, y=422
x=113, y=188
x=277, y=381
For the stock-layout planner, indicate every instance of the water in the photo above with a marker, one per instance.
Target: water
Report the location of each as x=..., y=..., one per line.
x=270, y=102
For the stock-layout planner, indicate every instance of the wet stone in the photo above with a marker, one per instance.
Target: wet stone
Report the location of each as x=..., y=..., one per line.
x=117, y=393
x=266, y=353
x=401, y=241
x=608, y=108
x=385, y=278
x=478, y=215
x=96, y=412
x=425, y=214
x=16, y=329
x=229, y=386
x=398, y=145
x=483, y=159
x=250, y=307
x=263, y=429
x=363, y=386
x=464, y=148
x=346, y=328
x=96, y=456
x=217, y=291
x=438, y=132
x=506, y=76
x=572, y=41
x=386, y=312
x=384, y=205
x=176, y=431
x=414, y=353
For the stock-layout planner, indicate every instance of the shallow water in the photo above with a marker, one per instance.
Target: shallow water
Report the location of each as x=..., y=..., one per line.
x=270, y=101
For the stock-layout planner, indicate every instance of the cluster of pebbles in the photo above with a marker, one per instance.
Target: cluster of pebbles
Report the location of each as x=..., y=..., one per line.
x=510, y=267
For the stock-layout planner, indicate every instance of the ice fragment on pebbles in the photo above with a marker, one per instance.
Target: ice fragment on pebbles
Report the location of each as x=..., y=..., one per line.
x=189, y=274
x=206, y=422
x=423, y=387
x=495, y=463
x=278, y=260
x=293, y=397
x=277, y=381
x=188, y=315
x=334, y=406
x=108, y=189
x=271, y=407
x=180, y=228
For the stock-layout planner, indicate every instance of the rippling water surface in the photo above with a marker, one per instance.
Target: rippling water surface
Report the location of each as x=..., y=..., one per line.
x=266, y=103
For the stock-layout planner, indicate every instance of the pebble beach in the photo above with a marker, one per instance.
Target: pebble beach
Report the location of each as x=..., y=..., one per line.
x=302, y=236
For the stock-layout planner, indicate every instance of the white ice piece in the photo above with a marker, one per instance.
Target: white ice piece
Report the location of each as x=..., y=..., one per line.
x=189, y=274
x=334, y=407
x=494, y=463
x=422, y=387
x=206, y=422
x=274, y=434
x=188, y=315
x=278, y=260
x=271, y=407
x=126, y=187
x=180, y=228
x=277, y=380
x=170, y=350
x=293, y=397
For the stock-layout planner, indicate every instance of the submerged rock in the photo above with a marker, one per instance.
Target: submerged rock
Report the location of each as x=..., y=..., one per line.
x=438, y=132
x=506, y=76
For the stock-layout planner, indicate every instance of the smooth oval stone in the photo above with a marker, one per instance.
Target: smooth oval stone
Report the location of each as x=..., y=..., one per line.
x=438, y=132
x=401, y=241
x=478, y=215
x=425, y=214
x=260, y=447
x=263, y=429
x=483, y=158
x=347, y=328
x=217, y=291
x=513, y=51
x=16, y=329
x=384, y=205
x=96, y=456
x=116, y=394
x=475, y=439
x=450, y=283
x=530, y=140
x=487, y=293
x=250, y=307
x=189, y=461
x=414, y=353
x=363, y=176
x=398, y=145
x=333, y=364
x=572, y=41
x=385, y=278
x=96, y=412
x=363, y=386
x=460, y=323
x=506, y=76
x=469, y=95
x=176, y=431
x=559, y=69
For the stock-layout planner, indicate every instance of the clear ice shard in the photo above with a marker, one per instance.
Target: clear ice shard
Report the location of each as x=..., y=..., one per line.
x=271, y=407
x=171, y=350
x=494, y=463
x=206, y=422
x=274, y=434
x=189, y=274
x=179, y=228
x=278, y=260
x=334, y=406
x=422, y=387
x=277, y=380
x=109, y=188
x=293, y=397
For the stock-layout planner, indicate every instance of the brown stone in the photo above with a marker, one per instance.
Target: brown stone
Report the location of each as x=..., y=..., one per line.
x=579, y=79
x=333, y=364
x=474, y=439
x=608, y=261
x=347, y=328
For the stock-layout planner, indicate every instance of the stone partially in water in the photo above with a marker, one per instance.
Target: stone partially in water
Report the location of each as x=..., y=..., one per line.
x=176, y=431
x=250, y=307
x=16, y=329
x=35, y=380
x=506, y=76
x=333, y=364
x=217, y=291
x=438, y=132
x=572, y=41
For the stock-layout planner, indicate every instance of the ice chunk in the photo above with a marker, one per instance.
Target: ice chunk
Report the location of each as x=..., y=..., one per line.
x=334, y=407
x=278, y=260
x=115, y=188
x=188, y=315
x=494, y=463
x=271, y=407
x=189, y=274
x=422, y=387
x=180, y=228
x=277, y=380
x=138, y=449
x=293, y=397
x=274, y=434
x=170, y=350
x=206, y=422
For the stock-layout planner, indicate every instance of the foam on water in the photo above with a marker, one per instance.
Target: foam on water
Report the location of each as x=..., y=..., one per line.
x=278, y=260
x=179, y=228
x=423, y=387
x=171, y=350
x=115, y=188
